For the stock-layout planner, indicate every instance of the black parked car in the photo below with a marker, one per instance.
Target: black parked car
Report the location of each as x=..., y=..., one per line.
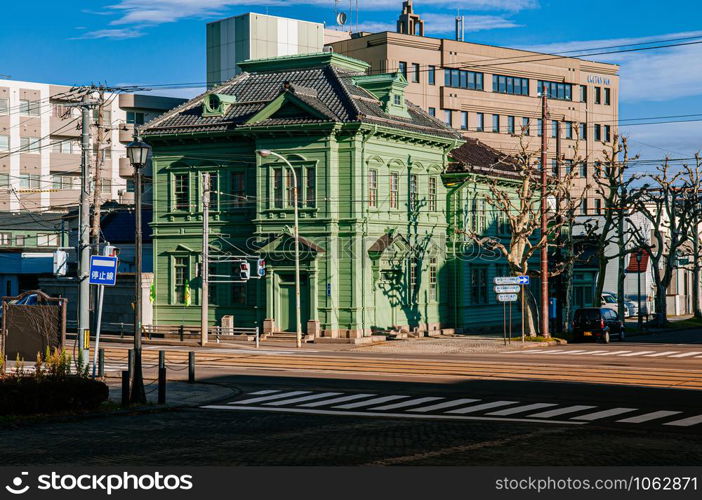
x=597, y=323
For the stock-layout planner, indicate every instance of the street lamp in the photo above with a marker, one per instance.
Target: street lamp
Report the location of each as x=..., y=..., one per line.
x=138, y=154
x=265, y=153
x=639, y=255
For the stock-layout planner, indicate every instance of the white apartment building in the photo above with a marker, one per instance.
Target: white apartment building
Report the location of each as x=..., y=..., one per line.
x=40, y=152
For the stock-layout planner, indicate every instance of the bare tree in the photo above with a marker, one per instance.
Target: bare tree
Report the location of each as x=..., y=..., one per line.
x=518, y=201
x=614, y=189
x=665, y=203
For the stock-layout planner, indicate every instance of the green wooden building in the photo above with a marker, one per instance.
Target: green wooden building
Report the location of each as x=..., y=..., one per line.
x=373, y=205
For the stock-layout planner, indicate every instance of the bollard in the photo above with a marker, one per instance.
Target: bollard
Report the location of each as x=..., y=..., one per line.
x=191, y=367
x=101, y=362
x=162, y=385
x=130, y=362
x=161, y=359
x=125, y=388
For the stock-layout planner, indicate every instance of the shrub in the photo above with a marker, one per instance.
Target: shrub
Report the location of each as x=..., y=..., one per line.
x=26, y=395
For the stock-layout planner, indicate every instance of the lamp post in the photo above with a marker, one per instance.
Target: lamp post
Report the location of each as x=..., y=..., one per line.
x=264, y=153
x=138, y=154
x=639, y=255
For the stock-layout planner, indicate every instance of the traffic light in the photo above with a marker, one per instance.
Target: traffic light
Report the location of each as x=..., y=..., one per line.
x=244, y=271
x=261, y=267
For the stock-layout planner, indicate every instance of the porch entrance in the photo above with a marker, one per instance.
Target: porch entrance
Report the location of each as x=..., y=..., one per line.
x=288, y=315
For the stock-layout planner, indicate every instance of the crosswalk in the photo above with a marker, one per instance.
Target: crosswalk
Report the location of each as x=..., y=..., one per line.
x=437, y=407
x=624, y=353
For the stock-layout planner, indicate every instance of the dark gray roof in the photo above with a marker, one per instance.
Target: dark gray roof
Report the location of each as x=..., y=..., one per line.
x=327, y=88
x=476, y=157
x=34, y=221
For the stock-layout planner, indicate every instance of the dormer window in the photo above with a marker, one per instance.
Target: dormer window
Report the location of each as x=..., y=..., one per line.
x=217, y=104
x=398, y=100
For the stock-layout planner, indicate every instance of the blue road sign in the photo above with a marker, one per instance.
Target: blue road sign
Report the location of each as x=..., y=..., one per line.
x=103, y=270
x=523, y=280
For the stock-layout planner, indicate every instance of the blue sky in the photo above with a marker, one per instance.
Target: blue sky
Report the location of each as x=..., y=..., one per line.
x=163, y=41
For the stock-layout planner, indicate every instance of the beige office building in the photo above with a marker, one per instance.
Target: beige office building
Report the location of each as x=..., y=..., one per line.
x=40, y=149
x=492, y=92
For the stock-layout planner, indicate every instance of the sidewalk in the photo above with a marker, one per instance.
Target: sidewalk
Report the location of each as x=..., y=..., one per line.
x=178, y=394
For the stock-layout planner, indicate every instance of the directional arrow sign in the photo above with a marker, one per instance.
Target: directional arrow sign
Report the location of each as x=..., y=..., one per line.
x=506, y=280
x=523, y=280
x=507, y=289
x=507, y=297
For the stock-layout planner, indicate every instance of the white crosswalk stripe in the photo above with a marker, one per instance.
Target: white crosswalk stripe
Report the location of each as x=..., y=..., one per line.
x=637, y=353
x=647, y=417
x=621, y=353
x=302, y=398
x=659, y=354
x=686, y=354
x=441, y=406
x=341, y=399
x=268, y=398
x=370, y=402
x=405, y=404
x=521, y=409
x=484, y=406
x=610, y=353
x=686, y=422
x=604, y=414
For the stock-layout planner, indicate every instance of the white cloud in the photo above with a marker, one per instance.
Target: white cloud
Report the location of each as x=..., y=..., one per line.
x=114, y=34
x=676, y=140
x=647, y=75
x=446, y=23
x=374, y=27
x=165, y=11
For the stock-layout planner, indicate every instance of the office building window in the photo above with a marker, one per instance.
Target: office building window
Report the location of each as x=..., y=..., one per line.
x=582, y=168
x=413, y=194
x=525, y=126
x=539, y=127
x=556, y=90
x=30, y=144
x=432, y=194
x=461, y=79
x=448, y=117
x=496, y=123
x=29, y=108
x=598, y=95
x=30, y=181
x=431, y=75
x=238, y=189
x=510, y=85
x=583, y=131
x=372, y=188
x=554, y=166
x=568, y=167
x=478, y=284
x=607, y=133
x=4, y=180
x=4, y=107
x=607, y=96
x=568, y=130
x=181, y=275
x=432, y=111
x=510, y=125
x=554, y=128
x=181, y=192
x=583, y=93
x=598, y=132
x=480, y=126
x=432, y=278
x=598, y=206
x=4, y=142
x=402, y=68
x=394, y=189
x=415, y=73
x=47, y=240
x=135, y=117
x=583, y=206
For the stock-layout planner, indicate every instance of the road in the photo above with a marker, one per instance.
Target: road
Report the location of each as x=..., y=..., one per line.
x=631, y=403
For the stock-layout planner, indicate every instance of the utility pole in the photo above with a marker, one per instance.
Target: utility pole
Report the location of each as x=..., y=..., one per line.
x=544, y=217
x=99, y=162
x=205, y=289
x=84, y=233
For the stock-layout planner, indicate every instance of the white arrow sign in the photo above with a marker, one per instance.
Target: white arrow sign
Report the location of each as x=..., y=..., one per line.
x=507, y=289
x=507, y=297
x=511, y=280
